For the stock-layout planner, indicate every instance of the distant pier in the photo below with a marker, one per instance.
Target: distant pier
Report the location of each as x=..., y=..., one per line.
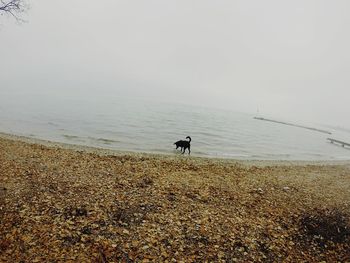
x=292, y=124
x=337, y=141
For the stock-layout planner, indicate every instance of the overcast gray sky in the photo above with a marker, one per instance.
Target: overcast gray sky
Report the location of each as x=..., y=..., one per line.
x=289, y=58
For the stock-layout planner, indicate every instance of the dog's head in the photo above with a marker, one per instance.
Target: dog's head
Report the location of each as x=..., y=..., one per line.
x=178, y=143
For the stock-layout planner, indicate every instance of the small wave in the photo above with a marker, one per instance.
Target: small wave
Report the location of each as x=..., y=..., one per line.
x=159, y=150
x=70, y=137
x=285, y=155
x=201, y=153
x=257, y=156
x=208, y=134
x=342, y=158
x=103, y=140
x=52, y=124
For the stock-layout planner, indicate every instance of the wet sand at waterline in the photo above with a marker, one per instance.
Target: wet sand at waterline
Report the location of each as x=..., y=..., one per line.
x=61, y=203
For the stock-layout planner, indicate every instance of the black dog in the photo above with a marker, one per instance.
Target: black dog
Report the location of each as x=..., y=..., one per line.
x=184, y=145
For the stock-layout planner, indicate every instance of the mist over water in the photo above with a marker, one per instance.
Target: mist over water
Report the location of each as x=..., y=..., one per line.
x=129, y=124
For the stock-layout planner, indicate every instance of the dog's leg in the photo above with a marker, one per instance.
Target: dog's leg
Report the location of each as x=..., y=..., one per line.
x=189, y=150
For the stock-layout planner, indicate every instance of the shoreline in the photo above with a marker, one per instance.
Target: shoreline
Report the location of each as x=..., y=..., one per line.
x=61, y=203
x=104, y=151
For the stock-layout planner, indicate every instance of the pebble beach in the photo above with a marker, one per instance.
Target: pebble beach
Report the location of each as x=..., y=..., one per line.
x=66, y=203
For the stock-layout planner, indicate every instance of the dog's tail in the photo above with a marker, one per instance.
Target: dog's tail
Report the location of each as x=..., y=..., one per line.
x=189, y=138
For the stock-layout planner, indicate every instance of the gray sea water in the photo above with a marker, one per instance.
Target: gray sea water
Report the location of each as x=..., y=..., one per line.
x=129, y=124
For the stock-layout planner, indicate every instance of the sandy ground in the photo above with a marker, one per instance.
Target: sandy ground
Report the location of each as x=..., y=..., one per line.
x=64, y=203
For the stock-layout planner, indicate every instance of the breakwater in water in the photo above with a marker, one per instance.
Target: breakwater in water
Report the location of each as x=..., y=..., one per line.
x=292, y=124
